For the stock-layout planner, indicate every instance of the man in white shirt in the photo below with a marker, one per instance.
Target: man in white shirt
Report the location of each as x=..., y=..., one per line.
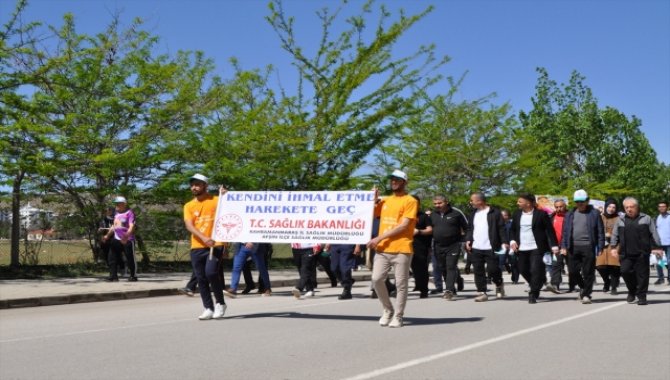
x=485, y=236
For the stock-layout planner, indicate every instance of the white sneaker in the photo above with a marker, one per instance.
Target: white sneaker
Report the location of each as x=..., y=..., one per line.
x=309, y=293
x=586, y=300
x=386, y=317
x=296, y=293
x=396, y=322
x=207, y=314
x=219, y=311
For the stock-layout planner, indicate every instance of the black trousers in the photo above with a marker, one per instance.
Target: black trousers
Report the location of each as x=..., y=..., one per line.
x=209, y=274
x=485, y=262
x=325, y=263
x=514, y=266
x=118, y=249
x=447, y=260
x=610, y=274
x=532, y=269
x=635, y=272
x=582, y=264
x=305, y=261
x=420, y=268
x=342, y=263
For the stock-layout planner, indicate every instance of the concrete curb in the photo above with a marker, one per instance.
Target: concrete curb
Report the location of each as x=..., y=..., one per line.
x=132, y=294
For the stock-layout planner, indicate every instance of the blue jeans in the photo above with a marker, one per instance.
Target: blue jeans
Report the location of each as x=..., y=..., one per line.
x=238, y=263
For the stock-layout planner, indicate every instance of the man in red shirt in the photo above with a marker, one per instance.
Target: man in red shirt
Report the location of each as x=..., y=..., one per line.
x=557, y=220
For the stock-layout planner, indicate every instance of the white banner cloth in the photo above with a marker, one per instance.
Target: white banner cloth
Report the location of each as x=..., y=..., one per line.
x=335, y=217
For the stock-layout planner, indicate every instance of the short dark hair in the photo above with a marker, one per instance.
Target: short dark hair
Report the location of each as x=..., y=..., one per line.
x=480, y=195
x=663, y=203
x=528, y=196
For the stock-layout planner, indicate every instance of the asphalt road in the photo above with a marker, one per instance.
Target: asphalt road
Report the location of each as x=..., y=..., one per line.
x=323, y=338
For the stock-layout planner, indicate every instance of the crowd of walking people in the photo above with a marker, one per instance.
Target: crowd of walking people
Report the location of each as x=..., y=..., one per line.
x=537, y=244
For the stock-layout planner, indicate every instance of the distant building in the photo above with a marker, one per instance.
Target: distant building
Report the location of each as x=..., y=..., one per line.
x=33, y=218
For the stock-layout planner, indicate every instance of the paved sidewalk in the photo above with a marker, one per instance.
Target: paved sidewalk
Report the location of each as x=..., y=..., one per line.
x=28, y=293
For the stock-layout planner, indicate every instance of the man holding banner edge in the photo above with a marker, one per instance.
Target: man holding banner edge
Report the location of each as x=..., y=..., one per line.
x=394, y=246
x=206, y=254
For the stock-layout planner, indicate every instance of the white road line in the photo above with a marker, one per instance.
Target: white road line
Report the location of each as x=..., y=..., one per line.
x=301, y=305
x=441, y=355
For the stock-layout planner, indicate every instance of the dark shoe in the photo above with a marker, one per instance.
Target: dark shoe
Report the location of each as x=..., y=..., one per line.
x=553, y=289
x=423, y=295
x=132, y=279
x=642, y=301
x=460, y=285
x=488, y=281
x=436, y=291
x=333, y=283
x=659, y=282
x=532, y=298
x=186, y=292
x=467, y=269
x=230, y=293
x=614, y=292
x=415, y=289
x=248, y=289
x=346, y=295
x=112, y=279
x=606, y=288
x=373, y=294
x=393, y=293
x=630, y=299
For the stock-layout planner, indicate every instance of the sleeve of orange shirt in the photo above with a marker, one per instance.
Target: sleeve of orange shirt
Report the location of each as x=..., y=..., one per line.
x=411, y=209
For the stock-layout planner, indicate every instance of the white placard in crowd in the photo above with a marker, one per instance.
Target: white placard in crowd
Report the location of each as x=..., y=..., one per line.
x=335, y=217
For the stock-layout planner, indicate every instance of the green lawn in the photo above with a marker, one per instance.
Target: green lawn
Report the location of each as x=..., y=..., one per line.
x=63, y=252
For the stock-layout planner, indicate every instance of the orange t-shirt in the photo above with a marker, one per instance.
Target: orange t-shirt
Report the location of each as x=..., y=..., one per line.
x=391, y=212
x=202, y=214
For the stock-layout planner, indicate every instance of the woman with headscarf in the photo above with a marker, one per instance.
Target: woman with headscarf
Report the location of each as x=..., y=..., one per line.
x=607, y=265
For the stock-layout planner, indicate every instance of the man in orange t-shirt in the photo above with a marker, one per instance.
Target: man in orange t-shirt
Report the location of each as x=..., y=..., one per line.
x=397, y=215
x=199, y=218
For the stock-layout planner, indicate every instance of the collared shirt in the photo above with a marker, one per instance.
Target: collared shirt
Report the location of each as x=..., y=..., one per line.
x=663, y=228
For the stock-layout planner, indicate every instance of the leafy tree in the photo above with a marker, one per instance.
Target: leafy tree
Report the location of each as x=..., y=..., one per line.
x=19, y=132
x=109, y=108
x=569, y=142
x=456, y=148
x=352, y=94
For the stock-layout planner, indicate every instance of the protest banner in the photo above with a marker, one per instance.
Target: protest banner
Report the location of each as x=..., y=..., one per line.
x=335, y=217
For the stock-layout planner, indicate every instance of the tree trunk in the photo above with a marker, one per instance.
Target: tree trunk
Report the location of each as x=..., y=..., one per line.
x=16, y=220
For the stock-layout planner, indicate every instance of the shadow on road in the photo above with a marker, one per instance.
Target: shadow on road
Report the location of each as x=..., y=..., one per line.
x=408, y=321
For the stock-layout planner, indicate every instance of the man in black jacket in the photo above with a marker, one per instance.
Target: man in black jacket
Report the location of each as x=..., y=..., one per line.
x=532, y=236
x=633, y=238
x=449, y=224
x=583, y=239
x=485, y=236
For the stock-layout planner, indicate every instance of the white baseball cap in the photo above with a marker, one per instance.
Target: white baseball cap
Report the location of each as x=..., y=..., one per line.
x=580, y=196
x=199, y=177
x=120, y=199
x=398, y=174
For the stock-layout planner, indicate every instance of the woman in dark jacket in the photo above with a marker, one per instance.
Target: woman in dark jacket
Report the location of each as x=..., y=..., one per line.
x=532, y=236
x=607, y=265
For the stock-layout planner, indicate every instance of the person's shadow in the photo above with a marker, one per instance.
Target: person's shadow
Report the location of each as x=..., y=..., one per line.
x=418, y=321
